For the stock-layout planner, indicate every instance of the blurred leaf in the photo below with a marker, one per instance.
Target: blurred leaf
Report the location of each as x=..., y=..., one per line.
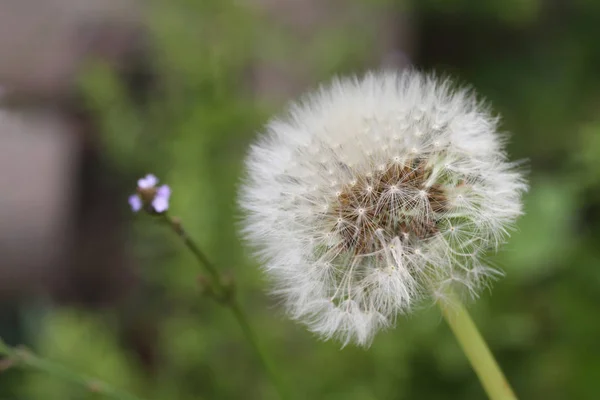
x=545, y=234
x=86, y=344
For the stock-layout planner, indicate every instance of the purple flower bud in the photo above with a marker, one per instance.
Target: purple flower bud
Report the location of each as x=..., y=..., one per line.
x=135, y=202
x=147, y=182
x=161, y=200
x=148, y=194
x=164, y=191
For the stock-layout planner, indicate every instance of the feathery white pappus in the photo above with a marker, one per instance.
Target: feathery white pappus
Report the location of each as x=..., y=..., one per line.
x=374, y=194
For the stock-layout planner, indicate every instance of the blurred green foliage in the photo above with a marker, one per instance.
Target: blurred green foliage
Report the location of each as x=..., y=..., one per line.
x=542, y=319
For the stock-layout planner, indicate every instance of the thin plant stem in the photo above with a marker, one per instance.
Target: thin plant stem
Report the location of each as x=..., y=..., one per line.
x=481, y=358
x=224, y=293
x=251, y=336
x=22, y=357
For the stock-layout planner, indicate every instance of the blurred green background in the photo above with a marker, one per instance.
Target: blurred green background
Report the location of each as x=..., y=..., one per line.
x=190, y=118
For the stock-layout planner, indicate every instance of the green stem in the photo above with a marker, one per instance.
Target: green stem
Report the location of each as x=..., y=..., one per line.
x=481, y=358
x=228, y=299
x=251, y=337
x=26, y=358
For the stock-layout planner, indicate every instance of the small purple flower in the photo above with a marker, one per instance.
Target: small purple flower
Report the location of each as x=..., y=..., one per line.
x=147, y=182
x=161, y=200
x=148, y=193
x=135, y=202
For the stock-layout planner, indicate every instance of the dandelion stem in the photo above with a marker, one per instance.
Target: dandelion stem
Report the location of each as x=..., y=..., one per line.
x=23, y=357
x=228, y=299
x=481, y=358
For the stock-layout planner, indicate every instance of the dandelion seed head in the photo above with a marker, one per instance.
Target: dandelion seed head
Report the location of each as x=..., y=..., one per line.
x=374, y=194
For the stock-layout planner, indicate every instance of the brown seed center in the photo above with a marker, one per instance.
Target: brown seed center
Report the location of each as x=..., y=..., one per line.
x=397, y=199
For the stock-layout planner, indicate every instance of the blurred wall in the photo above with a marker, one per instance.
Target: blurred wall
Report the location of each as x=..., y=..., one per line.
x=43, y=42
x=37, y=175
x=49, y=159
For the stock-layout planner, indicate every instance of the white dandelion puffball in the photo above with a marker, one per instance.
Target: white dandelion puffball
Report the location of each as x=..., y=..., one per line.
x=374, y=194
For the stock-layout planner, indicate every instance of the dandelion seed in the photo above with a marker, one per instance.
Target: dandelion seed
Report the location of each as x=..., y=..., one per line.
x=411, y=223
x=148, y=194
